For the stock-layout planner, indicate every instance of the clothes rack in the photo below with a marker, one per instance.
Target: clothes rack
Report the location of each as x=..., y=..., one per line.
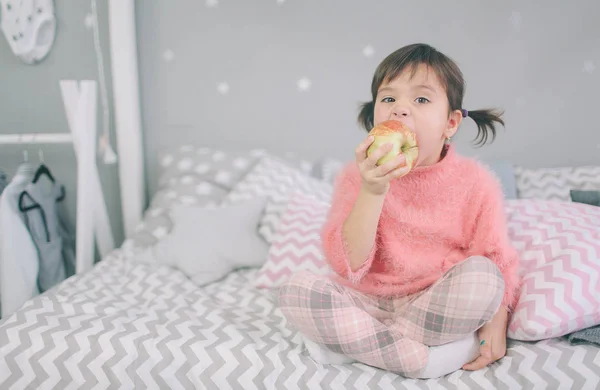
x=92, y=214
x=36, y=138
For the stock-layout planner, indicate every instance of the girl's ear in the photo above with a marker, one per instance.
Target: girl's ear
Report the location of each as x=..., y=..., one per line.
x=454, y=120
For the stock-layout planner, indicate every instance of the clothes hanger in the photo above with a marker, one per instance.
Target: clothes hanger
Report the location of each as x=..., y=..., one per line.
x=25, y=167
x=42, y=169
x=33, y=206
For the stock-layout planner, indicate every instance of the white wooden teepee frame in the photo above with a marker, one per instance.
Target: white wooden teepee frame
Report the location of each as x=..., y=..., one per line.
x=80, y=101
x=128, y=122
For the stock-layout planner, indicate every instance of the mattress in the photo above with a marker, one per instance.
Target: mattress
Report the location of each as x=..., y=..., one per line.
x=128, y=325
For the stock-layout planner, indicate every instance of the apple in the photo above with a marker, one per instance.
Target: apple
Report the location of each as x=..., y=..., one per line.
x=403, y=141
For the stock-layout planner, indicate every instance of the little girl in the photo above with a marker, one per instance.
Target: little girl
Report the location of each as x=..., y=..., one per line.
x=425, y=274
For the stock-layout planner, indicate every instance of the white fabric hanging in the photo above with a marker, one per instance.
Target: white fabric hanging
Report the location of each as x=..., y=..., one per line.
x=19, y=263
x=29, y=27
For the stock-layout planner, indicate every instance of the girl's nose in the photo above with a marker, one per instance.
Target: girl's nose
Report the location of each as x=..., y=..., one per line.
x=400, y=111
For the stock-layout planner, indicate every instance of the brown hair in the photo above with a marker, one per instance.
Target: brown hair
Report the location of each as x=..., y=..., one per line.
x=450, y=76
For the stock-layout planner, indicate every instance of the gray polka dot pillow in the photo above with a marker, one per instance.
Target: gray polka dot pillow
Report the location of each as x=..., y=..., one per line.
x=200, y=177
x=224, y=168
x=215, y=166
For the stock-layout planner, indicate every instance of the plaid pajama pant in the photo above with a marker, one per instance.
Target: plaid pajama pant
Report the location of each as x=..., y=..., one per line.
x=394, y=333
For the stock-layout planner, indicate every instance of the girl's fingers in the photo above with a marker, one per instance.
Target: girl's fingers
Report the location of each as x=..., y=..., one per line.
x=382, y=150
x=399, y=172
x=361, y=150
x=390, y=166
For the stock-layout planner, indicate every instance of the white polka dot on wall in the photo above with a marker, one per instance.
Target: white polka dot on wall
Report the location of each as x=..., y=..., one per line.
x=168, y=55
x=166, y=160
x=186, y=148
x=280, y=2
x=201, y=169
x=516, y=20
x=223, y=88
x=212, y=3
x=368, y=51
x=89, y=21
x=303, y=84
x=589, y=67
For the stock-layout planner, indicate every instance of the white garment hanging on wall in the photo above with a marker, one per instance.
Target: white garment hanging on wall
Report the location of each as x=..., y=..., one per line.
x=19, y=264
x=29, y=27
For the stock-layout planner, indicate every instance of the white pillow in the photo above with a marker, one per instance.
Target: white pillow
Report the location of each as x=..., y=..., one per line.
x=208, y=243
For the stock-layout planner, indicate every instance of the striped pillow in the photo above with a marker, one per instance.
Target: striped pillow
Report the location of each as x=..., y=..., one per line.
x=556, y=183
x=296, y=245
x=559, y=244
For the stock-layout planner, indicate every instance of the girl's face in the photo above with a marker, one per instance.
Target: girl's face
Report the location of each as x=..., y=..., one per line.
x=420, y=102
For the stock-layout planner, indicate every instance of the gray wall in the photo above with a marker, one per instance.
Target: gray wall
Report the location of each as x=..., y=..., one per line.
x=525, y=57
x=30, y=101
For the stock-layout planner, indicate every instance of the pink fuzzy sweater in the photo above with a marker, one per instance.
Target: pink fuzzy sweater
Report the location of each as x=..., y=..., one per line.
x=432, y=218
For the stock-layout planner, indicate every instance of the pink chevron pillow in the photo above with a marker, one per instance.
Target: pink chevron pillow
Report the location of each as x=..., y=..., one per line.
x=559, y=243
x=296, y=244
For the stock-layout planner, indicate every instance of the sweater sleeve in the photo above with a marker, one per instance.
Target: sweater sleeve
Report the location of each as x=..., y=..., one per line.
x=490, y=235
x=335, y=248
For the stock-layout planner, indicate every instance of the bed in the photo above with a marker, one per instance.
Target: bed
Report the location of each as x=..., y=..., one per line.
x=131, y=323
x=126, y=325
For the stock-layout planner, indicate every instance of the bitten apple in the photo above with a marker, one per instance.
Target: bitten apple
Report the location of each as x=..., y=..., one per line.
x=403, y=141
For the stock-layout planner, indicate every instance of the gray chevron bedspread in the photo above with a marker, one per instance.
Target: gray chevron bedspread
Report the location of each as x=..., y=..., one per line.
x=126, y=325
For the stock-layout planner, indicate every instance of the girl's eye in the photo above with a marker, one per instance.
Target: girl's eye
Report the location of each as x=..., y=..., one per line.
x=422, y=100
x=388, y=100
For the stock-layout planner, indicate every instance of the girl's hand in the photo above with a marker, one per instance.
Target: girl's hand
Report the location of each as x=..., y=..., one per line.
x=376, y=179
x=492, y=338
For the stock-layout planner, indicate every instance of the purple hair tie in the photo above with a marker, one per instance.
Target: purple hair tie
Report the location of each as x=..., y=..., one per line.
x=465, y=113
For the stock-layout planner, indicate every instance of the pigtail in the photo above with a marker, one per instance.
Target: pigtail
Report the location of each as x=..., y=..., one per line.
x=366, y=116
x=485, y=121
